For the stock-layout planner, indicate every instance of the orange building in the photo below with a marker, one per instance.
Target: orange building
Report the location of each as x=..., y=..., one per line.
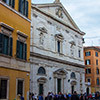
x=92, y=62
x=15, y=21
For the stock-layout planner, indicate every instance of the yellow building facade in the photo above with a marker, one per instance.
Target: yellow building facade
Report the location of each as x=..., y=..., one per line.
x=15, y=24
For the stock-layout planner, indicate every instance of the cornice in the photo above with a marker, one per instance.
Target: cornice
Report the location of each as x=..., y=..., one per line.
x=56, y=60
x=92, y=48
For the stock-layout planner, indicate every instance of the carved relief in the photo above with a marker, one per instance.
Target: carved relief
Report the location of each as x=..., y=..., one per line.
x=42, y=29
x=41, y=39
x=41, y=35
x=59, y=12
x=22, y=39
x=5, y=31
x=21, y=36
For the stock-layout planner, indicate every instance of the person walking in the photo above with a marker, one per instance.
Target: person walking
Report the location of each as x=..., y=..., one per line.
x=74, y=96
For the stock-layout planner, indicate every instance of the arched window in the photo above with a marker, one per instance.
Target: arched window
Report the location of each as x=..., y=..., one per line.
x=41, y=70
x=73, y=75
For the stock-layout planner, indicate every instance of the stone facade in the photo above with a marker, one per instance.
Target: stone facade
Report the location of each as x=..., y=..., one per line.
x=57, y=63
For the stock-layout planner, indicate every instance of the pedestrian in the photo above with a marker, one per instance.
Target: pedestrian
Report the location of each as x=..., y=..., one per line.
x=41, y=97
x=74, y=96
x=81, y=97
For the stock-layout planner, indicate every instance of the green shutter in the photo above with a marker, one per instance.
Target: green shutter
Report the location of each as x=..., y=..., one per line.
x=1, y=43
x=20, y=6
x=4, y=1
x=26, y=8
x=18, y=49
x=10, y=46
x=25, y=51
x=5, y=44
x=13, y=3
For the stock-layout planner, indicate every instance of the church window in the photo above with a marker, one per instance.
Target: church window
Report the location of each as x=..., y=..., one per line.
x=58, y=46
x=73, y=75
x=79, y=53
x=41, y=70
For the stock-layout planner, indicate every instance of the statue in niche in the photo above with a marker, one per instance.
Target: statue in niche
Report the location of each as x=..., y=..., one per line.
x=59, y=12
x=41, y=39
x=72, y=50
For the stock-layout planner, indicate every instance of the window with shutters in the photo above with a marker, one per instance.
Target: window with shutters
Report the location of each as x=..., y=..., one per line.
x=6, y=40
x=10, y=3
x=87, y=62
x=97, y=81
x=88, y=71
x=21, y=50
x=20, y=87
x=23, y=7
x=3, y=88
x=88, y=53
x=21, y=46
x=97, y=71
x=96, y=62
x=96, y=54
x=6, y=43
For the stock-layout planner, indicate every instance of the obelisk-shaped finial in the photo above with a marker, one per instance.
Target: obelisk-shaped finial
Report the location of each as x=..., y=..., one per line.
x=57, y=1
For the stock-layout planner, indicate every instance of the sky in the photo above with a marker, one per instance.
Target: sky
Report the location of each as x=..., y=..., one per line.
x=86, y=14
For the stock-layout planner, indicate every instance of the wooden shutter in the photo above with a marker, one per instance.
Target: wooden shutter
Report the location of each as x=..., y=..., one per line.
x=20, y=6
x=26, y=8
x=25, y=51
x=10, y=46
x=13, y=3
x=18, y=49
x=4, y=1
x=1, y=43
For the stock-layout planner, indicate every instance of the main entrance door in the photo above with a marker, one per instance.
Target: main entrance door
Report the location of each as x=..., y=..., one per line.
x=59, y=85
x=40, y=88
x=72, y=89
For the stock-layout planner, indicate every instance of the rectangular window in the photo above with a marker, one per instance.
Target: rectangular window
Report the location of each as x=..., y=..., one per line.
x=20, y=87
x=87, y=53
x=6, y=44
x=96, y=62
x=10, y=3
x=3, y=88
x=97, y=70
x=88, y=80
x=58, y=46
x=88, y=71
x=87, y=62
x=23, y=7
x=96, y=54
x=97, y=81
x=79, y=53
x=21, y=50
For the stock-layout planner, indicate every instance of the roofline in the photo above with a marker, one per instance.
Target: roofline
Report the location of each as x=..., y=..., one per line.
x=54, y=18
x=92, y=48
x=57, y=4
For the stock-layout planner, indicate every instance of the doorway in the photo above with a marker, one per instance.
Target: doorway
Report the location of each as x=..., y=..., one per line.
x=72, y=89
x=59, y=85
x=40, y=89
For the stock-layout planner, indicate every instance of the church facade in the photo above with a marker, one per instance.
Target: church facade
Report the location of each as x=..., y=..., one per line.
x=57, y=63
